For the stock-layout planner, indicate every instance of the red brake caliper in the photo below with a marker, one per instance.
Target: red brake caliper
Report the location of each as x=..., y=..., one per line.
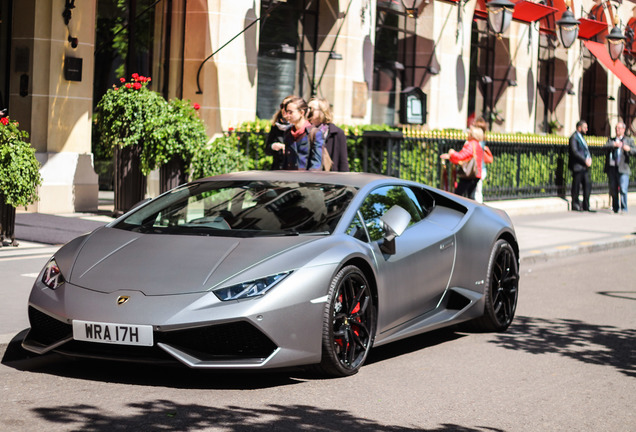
x=339, y=341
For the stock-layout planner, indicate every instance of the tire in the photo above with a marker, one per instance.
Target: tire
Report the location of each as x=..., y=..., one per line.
x=349, y=324
x=502, y=288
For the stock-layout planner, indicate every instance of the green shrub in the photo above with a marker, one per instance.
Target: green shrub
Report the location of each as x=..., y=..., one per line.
x=19, y=169
x=179, y=133
x=219, y=156
x=134, y=115
x=127, y=115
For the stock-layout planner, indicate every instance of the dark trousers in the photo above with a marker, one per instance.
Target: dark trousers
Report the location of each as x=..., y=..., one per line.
x=618, y=184
x=466, y=187
x=581, y=178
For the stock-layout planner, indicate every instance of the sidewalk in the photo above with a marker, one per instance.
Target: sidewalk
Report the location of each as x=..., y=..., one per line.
x=545, y=227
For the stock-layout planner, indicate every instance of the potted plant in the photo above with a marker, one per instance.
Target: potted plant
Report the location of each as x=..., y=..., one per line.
x=125, y=119
x=554, y=126
x=19, y=176
x=173, y=143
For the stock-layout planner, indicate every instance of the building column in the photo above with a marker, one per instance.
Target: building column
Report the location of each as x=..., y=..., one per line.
x=51, y=82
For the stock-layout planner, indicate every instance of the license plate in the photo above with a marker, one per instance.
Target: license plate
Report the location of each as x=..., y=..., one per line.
x=121, y=334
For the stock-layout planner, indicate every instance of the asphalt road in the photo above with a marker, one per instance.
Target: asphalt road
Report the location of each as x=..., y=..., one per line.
x=568, y=363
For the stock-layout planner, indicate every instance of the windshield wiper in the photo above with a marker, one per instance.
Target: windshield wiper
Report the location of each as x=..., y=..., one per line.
x=298, y=233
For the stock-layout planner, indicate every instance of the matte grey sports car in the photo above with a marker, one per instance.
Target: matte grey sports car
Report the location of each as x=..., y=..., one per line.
x=273, y=269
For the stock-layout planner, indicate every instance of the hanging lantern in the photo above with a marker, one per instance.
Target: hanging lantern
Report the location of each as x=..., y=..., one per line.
x=500, y=15
x=615, y=43
x=568, y=28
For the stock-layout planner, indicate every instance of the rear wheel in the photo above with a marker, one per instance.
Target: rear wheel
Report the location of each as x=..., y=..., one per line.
x=502, y=287
x=349, y=323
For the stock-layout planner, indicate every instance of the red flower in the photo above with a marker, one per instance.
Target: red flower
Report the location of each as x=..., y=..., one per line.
x=4, y=121
x=230, y=129
x=196, y=106
x=137, y=86
x=129, y=85
x=135, y=76
x=122, y=80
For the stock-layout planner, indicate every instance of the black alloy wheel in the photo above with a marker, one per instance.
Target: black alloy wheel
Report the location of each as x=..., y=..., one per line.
x=349, y=324
x=502, y=288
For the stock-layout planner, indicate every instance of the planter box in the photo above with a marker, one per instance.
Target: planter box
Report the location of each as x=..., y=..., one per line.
x=171, y=175
x=129, y=182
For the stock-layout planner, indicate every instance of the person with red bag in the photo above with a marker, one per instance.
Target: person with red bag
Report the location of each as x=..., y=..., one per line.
x=469, y=161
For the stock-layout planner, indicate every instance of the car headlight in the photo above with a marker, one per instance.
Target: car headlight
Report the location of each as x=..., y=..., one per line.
x=249, y=289
x=52, y=276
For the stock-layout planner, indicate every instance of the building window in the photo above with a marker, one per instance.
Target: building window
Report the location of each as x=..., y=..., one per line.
x=396, y=64
x=295, y=48
x=546, y=87
x=277, y=55
x=130, y=36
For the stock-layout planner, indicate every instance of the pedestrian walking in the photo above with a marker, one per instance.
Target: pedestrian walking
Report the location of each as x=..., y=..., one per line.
x=579, y=163
x=619, y=149
x=335, y=155
x=469, y=160
x=479, y=190
x=276, y=135
x=302, y=144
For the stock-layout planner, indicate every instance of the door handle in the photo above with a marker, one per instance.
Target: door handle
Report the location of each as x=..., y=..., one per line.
x=446, y=245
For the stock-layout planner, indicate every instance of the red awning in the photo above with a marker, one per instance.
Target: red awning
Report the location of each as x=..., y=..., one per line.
x=528, y=11
x=525, y=10
x=547, y=24
x=481, y=10
x=631, y=24
x=626, y=76
x=590, y=28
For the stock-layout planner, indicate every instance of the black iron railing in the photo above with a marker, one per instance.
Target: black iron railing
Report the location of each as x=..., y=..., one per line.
x=531, y=167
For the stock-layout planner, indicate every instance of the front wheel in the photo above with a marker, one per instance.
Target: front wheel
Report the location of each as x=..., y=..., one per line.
x=502, y=288
x=349, y=323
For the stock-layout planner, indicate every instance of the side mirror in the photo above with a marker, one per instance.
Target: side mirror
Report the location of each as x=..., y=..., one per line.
x=395, y=222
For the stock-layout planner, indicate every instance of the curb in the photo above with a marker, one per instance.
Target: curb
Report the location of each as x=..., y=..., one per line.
x=582, y=248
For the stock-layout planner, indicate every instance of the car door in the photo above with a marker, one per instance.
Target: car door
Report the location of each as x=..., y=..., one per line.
x=411, y=281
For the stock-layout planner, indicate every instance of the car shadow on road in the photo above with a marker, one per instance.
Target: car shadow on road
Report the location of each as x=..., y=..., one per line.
x=594, y=344
x=168, y=415
x=179, y=376
x=412, y=344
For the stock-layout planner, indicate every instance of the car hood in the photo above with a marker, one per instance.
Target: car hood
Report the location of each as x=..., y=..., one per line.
x=112, y=259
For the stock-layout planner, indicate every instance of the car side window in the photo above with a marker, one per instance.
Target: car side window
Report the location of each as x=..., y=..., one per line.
x=381, y=200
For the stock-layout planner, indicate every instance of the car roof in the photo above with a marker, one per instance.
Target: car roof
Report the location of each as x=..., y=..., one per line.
x=355, y=179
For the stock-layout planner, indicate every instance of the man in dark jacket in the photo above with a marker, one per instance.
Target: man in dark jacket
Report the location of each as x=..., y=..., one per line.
x=619, y=149
x=580, y=162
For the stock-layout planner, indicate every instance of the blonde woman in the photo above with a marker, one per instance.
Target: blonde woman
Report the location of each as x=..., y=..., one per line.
x=466, y=186
x=335, y=141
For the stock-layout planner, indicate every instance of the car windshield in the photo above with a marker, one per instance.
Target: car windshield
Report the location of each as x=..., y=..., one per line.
x=243, y=209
